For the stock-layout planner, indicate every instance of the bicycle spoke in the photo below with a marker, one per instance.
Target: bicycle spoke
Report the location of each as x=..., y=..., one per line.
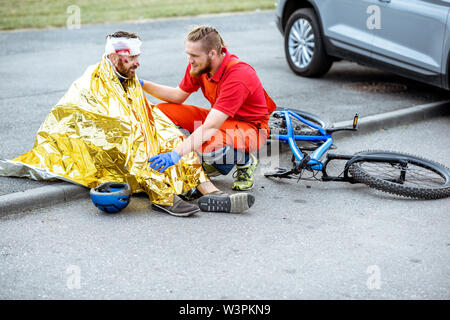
x=414, y=175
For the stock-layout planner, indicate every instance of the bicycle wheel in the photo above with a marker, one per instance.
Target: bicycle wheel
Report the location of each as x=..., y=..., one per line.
x=277, y=123
x=416, y=177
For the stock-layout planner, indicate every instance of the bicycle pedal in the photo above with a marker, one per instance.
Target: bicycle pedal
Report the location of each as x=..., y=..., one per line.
x=298, y=166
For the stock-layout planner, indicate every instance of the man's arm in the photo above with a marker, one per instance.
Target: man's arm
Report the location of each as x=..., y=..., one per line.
x=212, y=123
x=206, y=131
x=165, y=93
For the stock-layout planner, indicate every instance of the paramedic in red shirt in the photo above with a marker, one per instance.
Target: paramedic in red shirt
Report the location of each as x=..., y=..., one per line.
x=237, y=123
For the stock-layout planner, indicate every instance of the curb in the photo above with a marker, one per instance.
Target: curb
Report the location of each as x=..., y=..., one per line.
x=397, y=118
x=49, y=195
x=40, y=197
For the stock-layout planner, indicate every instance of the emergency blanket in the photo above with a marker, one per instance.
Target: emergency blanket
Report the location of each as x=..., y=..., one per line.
x=100, y=132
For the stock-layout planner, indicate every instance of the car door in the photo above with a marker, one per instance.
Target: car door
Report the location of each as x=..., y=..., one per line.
x=411, y=34
x=345, y=24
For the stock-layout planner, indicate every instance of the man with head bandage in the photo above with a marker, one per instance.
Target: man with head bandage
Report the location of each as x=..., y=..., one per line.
x=122, y=50
x=104, y=130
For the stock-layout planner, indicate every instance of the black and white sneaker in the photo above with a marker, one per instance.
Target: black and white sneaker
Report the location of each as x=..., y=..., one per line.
x=221, y=202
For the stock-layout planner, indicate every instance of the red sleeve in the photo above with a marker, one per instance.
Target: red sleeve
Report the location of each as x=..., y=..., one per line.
x=231, y=97
x=189, y=83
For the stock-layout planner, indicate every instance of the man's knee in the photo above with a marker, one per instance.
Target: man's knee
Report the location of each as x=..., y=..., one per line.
x=245, y=139
x=163, y=106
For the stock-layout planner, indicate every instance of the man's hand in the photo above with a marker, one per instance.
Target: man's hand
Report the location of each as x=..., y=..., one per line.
x=164, y=160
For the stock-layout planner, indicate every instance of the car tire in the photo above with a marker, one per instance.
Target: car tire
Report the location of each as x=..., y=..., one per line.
x=303, y=45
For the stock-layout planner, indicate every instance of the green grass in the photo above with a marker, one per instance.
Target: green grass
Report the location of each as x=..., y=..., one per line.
x=20, y=14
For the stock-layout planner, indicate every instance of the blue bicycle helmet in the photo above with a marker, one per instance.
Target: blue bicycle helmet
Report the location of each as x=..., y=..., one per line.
x=111, y=197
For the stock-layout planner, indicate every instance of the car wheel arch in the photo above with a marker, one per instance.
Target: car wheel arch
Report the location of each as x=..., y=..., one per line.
x=292, y=5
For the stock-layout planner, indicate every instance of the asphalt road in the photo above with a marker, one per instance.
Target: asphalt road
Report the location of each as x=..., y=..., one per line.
x=306, y=240
x=37, y=67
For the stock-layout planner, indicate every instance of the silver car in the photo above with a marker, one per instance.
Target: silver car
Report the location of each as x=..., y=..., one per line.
x=407, y=37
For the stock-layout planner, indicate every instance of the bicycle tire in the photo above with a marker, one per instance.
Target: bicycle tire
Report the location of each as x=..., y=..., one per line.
x=415, y=184
x=277, y=123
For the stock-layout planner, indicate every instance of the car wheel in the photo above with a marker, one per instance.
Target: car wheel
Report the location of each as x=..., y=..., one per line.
x=303, y=45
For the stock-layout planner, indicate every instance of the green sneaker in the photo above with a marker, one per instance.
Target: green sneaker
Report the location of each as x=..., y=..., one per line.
x=210, y=170
x=243, y=175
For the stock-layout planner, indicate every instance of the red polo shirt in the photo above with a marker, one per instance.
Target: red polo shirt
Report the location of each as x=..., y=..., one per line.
x=239, y=93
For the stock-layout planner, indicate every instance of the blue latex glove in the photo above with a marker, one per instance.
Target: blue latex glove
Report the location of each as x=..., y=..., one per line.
x=164, y=160
x=141, y=82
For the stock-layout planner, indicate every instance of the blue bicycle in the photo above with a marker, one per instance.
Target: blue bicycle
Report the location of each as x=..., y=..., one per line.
x=392, y=172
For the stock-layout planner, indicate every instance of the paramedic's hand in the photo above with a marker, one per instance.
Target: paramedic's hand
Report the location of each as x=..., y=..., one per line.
x=164, y=160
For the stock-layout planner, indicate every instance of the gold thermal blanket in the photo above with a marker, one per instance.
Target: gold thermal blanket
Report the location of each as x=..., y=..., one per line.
x=100, y=132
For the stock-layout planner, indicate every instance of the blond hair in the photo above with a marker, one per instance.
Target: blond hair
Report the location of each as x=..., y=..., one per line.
x=209, y=36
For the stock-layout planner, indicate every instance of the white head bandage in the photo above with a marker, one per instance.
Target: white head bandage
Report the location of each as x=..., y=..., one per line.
x=123, y=46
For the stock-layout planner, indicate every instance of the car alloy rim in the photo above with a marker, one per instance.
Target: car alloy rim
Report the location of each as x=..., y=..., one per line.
x=301, y=43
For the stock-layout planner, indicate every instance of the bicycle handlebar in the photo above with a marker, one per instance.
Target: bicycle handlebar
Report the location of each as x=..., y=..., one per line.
x=352, y=128
x=331, y=130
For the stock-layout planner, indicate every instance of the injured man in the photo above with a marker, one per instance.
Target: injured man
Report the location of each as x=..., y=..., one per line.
x=104, y=130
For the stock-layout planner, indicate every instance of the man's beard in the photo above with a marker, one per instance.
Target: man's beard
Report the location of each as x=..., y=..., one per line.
x=127, y=73
x=207, y=68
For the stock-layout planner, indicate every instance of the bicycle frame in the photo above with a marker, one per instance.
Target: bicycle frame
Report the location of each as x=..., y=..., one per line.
x=314, y=159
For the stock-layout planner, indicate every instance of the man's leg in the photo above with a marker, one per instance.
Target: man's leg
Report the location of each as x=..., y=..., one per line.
x=216, y=200
x=245, y=163
x=186, y=117
x=244, y=138
x=244, y=175
x=223, y=160
x=231, y=133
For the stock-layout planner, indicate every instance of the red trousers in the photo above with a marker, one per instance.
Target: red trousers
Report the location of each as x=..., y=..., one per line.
x=247, y=136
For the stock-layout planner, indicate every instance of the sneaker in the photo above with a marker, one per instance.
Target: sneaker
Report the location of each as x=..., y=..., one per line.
x=210, y=170
x=243, y=175
x=180, y=208
x=221, y=202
